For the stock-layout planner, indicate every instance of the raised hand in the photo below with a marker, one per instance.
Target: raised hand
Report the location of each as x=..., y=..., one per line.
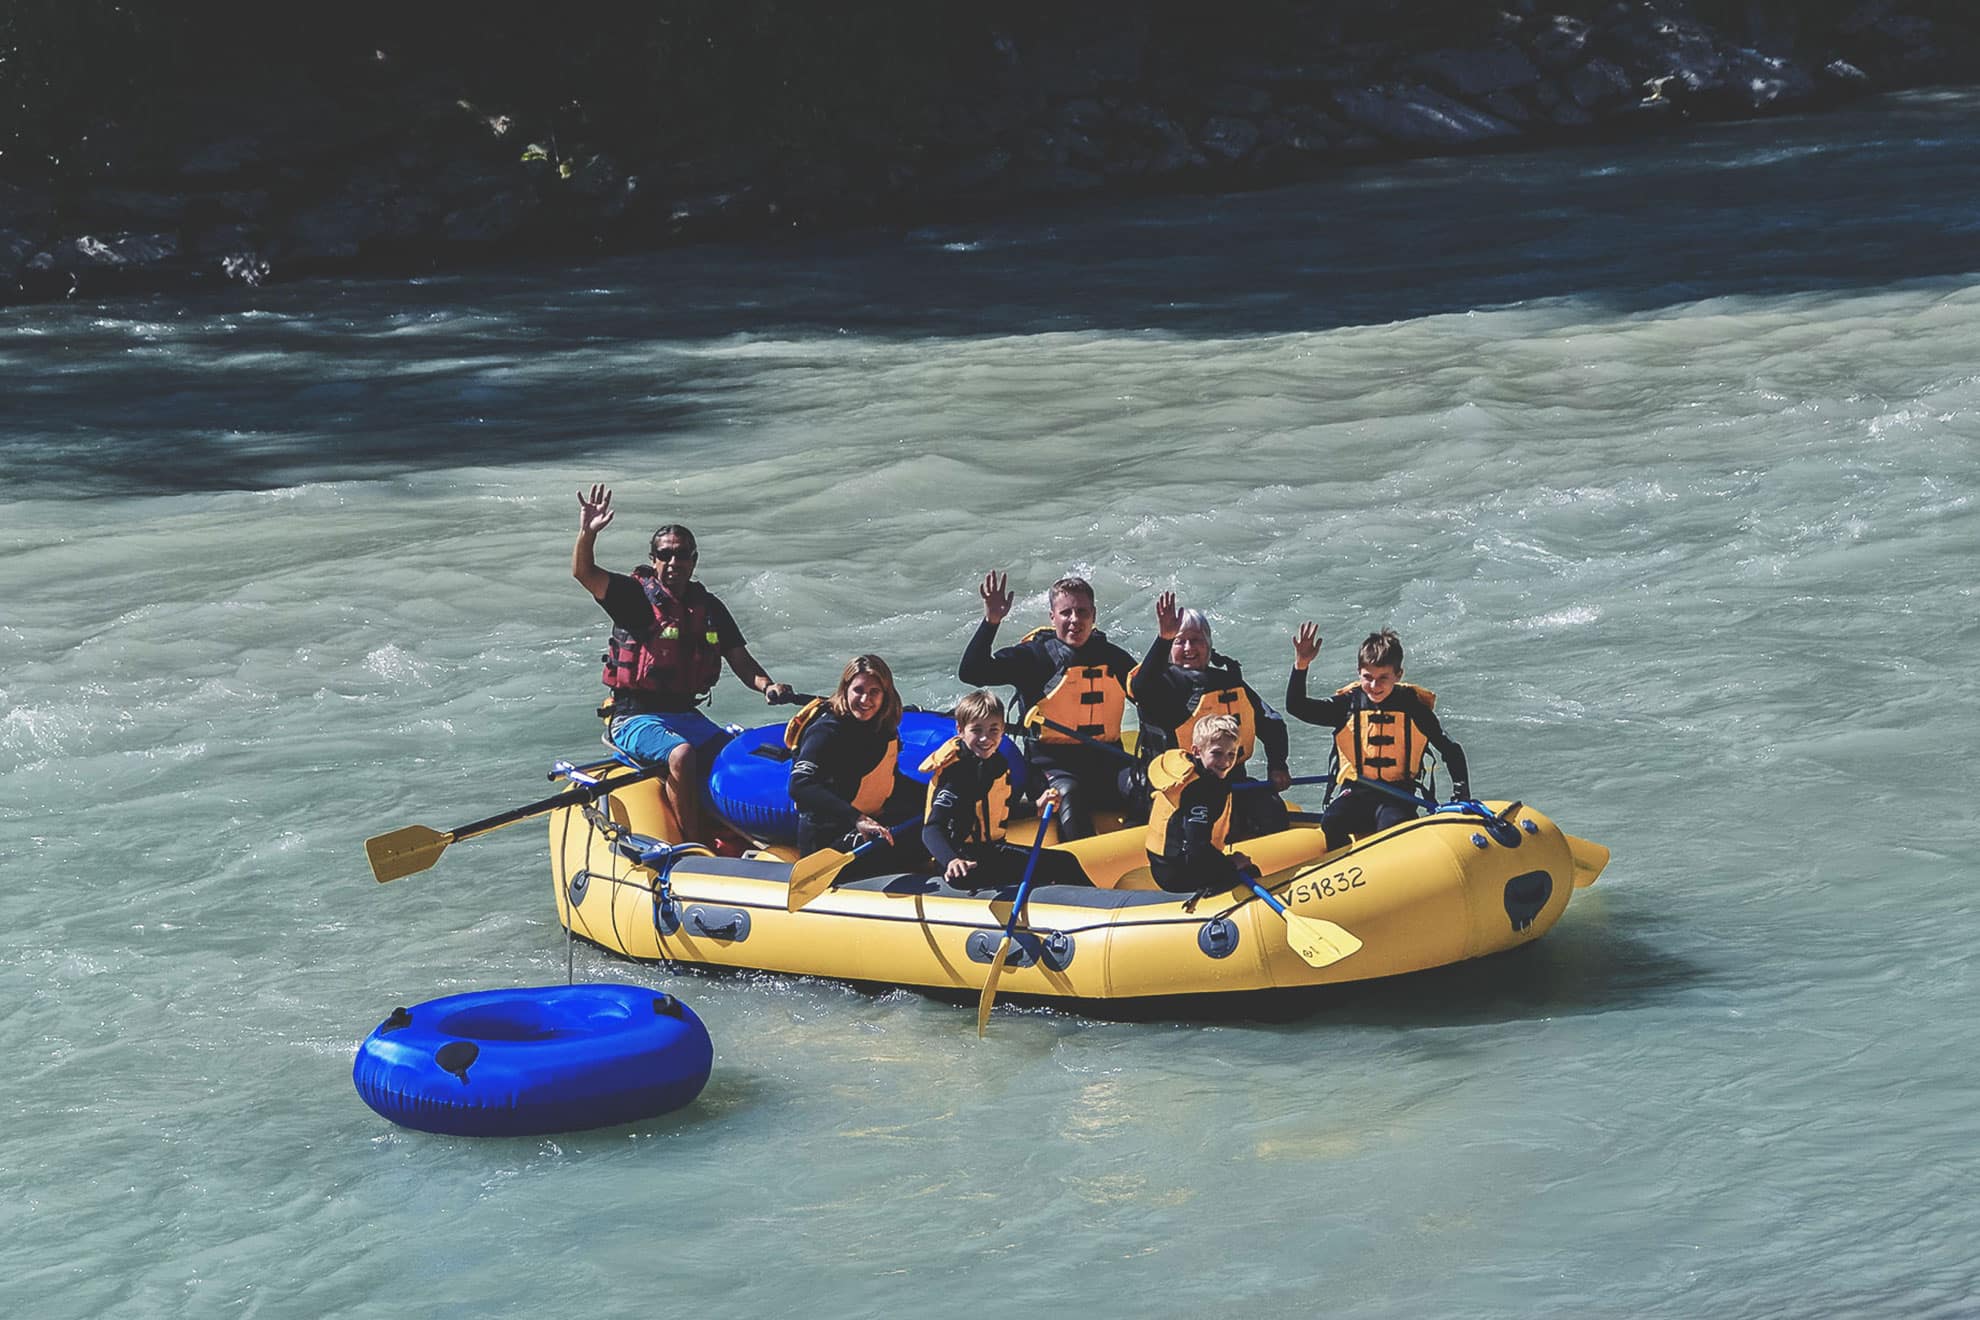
x=1168, y=616
x=594, y=511
x=1306, y=645
x=997, y=598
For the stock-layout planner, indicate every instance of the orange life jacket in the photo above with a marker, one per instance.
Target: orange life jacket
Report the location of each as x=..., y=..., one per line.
x=877, y=784
x=1382, y=744
x=993, y=809
x=1169, y=774
x=1084, y=697
x=1231, y=701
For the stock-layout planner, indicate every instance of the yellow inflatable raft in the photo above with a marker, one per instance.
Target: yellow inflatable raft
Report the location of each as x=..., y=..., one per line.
x=1436, y=890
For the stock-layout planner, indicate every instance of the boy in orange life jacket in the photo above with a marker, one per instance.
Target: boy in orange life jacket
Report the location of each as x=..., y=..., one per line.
x=1189, y=819
x=1382, y=726
x=969, y=796
x=667, y=648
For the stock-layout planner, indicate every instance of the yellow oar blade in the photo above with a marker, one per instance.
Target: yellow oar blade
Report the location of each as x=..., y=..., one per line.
x=813, y=874
x=1320, y=943
x=989, y=995
x=406, y=851
x=1589, y=859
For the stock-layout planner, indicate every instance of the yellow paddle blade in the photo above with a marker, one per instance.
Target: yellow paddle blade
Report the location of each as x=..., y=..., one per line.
x=1320, y=943
x=813, y=875
x=405, y=851
x=989, y=995
x=1589, y=859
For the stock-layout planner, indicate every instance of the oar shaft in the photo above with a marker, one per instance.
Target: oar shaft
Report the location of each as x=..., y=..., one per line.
x=1271, y=900
x=989, y=995
x=887, y=838
x=1030, y=868
x=1089, y=739
x=550, y=803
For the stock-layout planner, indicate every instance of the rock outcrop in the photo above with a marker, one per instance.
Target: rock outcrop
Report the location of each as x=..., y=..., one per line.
x=277, y=180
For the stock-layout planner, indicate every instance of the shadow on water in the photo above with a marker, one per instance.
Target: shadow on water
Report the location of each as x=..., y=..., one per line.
x=362, y=379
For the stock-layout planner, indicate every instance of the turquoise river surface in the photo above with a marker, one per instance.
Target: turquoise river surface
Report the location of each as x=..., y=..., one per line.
x=1661, y=457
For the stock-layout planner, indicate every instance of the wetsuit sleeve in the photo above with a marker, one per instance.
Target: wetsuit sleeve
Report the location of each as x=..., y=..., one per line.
x=1447, y=748
x=947, y=804
x=1271, y=731
x=727, y=635
x=1156, y=700
x=1204, y=864
x=811, y=784
x=627, y=604
x=987, y=668
x=1327, y=712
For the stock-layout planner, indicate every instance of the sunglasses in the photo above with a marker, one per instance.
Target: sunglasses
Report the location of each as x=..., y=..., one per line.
x=670, y=554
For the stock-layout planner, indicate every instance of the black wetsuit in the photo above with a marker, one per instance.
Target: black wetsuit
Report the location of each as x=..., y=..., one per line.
x=1190, y=859
x=1357, y=810
x=834, y=754
x=954, y=827
x=1165, y=694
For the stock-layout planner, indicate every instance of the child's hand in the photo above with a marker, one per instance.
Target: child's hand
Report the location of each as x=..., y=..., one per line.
x=1168, y=618
x=1051, y=797
x=997, y=598
x=957, y=869
x=1306, y=644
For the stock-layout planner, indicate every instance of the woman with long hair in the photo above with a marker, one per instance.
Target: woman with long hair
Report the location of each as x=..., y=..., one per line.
x=845, y=776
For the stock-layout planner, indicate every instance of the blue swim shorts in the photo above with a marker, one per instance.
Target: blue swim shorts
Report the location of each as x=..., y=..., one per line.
x=651, y=739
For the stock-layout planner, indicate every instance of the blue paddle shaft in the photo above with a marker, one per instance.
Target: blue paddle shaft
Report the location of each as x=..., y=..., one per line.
x=1030, y=866
x=886, y=838
x=1498, y=828
x=1266, y=894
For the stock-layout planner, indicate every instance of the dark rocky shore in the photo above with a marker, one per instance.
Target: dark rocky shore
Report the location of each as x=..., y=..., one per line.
x=385, y=160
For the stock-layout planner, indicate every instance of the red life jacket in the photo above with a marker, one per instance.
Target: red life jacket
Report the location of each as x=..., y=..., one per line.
x=680, y=653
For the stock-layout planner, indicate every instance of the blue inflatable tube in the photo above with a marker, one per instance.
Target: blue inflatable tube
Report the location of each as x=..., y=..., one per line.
x=511, y=1063
x=750, y=783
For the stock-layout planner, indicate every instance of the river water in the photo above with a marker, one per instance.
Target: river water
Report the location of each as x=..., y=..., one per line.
x=1662, y=458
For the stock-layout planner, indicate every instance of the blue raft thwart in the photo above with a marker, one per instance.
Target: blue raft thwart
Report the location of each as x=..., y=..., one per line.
x=523, y=1062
